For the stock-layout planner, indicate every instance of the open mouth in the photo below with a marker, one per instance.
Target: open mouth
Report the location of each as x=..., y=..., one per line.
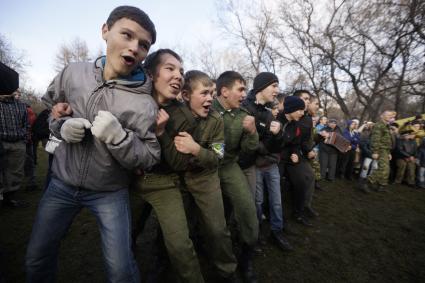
x=129, y=60
x=175, y=86
x=206, y=107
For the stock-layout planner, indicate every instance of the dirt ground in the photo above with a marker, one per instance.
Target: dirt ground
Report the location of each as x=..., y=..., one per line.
x=379, y=237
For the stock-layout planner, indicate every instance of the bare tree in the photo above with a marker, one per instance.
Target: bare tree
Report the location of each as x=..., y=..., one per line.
x=16, y=59
x=75, y=51
x=250, y=24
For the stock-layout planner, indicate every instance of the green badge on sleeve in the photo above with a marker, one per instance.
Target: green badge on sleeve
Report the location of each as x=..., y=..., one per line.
x=218, y=148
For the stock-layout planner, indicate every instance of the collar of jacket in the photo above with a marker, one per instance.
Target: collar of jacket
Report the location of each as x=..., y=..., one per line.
x=220, y=108
x=137, y=78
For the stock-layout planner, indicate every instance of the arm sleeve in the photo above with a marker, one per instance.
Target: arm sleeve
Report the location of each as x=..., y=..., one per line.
x=53, y=95
x=140, y=149
x=375, y=139
x=249, y=143
x=176, y=160
x=208, y=157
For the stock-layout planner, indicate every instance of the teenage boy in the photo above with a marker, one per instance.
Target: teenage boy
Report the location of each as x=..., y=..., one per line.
x=307, y=147
x=296, y=167
x=240, y=137
x=265, y=90
x=111, y=98
x=206, y=148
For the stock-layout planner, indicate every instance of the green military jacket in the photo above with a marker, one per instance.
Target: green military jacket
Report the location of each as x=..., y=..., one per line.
x=181, y=120
x=235, y=138
x=202, y=172
x=380, y=139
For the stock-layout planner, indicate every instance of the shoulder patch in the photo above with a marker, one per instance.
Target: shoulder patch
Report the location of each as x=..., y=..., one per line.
x=218, y=149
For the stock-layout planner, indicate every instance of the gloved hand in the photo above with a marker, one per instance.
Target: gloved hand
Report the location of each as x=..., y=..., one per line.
x=72, y=130
x=107, y=128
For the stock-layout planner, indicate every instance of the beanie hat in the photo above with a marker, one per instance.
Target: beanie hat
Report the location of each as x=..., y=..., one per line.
x=263, y=80
x=292, y=104
x=9, y=80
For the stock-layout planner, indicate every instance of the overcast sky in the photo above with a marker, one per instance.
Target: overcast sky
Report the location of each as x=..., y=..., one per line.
x=40, y=27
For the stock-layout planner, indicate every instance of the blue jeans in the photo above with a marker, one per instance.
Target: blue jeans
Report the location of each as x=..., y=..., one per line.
x=58, y=207
x=271, y=177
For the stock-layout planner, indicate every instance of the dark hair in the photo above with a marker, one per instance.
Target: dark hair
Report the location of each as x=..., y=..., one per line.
x=228, y=79
x=191, y=78
x=134, y=14
x=154, y=59
x=301, y=91
x=281, y=97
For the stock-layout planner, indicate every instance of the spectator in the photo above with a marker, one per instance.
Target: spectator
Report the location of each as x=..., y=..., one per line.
x=405, y=155
x=420, y=161
x=328, y=155
x=347, y=163
x=13, y=135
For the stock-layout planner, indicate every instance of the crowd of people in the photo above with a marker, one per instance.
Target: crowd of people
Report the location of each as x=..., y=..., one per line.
x=133, y=139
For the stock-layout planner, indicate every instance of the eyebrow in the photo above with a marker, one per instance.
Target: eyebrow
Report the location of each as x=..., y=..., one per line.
x=133, y=34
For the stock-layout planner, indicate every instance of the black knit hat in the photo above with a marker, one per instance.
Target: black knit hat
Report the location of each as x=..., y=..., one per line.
x=263, y=80
x=9, y=80
x=292, y=104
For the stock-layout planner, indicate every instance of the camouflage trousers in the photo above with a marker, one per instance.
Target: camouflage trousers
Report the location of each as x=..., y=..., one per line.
x=380, y=176
x=316, y=168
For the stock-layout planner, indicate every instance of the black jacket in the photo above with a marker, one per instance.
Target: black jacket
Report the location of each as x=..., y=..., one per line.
x=405, y=148
x=269, y=144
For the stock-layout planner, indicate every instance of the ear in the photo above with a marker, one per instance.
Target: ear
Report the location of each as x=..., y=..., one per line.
x=105, y=31
x=224, y=92
x=185, y=95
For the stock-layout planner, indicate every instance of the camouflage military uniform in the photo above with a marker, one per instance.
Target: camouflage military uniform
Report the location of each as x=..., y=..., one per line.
x=381, y=143
x=233, y=182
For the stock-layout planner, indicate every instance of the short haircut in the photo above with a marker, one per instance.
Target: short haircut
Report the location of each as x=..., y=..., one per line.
x=154, y=59
x=134, y=14
x=299, y=92
x=281, y=97
x=193, y=77
x=228, y=79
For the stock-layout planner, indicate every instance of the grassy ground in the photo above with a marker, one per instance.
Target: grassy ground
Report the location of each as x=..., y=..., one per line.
x=378, y=237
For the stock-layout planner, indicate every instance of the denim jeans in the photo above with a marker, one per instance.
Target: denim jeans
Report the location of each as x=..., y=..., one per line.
x=271, y=177
x=58, y=207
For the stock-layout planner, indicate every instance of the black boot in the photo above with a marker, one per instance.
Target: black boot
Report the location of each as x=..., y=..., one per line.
x=310, y=212
x=246, y=266
x=280, y=240
x=364, y=187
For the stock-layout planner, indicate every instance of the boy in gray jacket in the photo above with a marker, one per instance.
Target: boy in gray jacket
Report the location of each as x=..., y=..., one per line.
x=108, y=135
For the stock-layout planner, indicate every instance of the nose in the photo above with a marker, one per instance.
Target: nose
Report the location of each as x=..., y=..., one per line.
x=243, y=94
x=134, y=47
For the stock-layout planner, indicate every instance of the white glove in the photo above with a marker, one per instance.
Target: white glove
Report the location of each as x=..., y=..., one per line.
x=107, y=128
x=72, y=131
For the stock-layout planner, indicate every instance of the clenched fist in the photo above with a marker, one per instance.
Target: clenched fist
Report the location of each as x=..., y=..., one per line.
x=107, y=128
x=275, y=127
x=161, y=122
x=248, y=124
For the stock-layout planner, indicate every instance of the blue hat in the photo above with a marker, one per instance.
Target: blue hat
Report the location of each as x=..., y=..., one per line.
x=292, y=104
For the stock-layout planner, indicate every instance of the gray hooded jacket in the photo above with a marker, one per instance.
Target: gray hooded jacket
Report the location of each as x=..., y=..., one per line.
x=92, y=164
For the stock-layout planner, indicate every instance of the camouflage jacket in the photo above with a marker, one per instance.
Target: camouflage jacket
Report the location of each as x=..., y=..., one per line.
x=380, y=138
